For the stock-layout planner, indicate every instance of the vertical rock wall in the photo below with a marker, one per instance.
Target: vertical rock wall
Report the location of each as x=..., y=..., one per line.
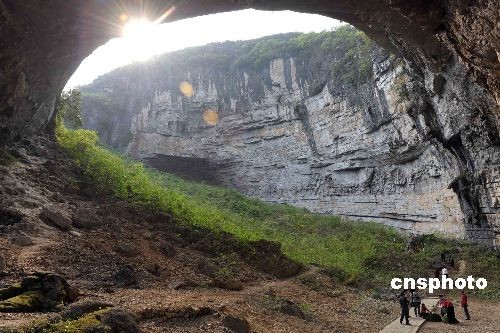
x=290, y=132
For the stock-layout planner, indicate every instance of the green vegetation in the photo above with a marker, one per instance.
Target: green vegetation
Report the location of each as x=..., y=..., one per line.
x=347, y=49
x=353, y=63
x=84, y=323
x=69, y=109
x=366, y=254
x=25, y=302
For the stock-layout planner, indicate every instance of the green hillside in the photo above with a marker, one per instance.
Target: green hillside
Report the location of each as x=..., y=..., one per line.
x=360, y=254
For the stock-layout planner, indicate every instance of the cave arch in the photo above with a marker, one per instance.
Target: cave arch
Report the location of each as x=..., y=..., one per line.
x=43, y=43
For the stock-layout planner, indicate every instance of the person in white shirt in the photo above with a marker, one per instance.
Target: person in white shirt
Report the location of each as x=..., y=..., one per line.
x=444, y=271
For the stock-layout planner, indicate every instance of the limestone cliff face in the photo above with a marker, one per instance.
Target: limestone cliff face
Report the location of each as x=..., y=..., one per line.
x=293, y=131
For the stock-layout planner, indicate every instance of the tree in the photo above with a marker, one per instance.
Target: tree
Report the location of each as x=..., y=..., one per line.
x=69, y=109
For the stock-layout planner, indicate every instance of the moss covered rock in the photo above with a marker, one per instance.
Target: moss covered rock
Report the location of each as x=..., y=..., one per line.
x=107, y=320
x=6, y=293
x=39, y=292
x=29, y=301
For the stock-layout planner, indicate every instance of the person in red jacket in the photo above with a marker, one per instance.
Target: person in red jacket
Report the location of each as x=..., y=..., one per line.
x=464, y=304
x=424, y=312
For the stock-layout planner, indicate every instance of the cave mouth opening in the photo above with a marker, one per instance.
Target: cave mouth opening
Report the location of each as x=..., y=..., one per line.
x=142, y=38
x=449, y=64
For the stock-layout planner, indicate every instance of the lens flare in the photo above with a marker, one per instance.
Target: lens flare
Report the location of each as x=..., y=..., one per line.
x=186, y=89
x=211, y=117
x=124, y=17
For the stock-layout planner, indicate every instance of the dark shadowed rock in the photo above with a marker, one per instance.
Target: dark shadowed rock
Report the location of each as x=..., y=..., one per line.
x=235, y=324
x=42, y=291
x=120, y=321
x=126, y=277
x=292, y=309
x=127, y=249
x=167, y=249
x=228, y=284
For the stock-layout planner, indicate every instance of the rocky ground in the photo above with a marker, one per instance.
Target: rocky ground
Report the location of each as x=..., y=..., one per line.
x=171, y=277
x=158, y=273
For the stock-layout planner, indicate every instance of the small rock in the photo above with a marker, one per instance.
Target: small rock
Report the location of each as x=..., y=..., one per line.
x=167, y=249
x=75, y=233
x=54, y=216
x=181, y=284
x=228, y=284
x=128, y=250
x=85, y=222
x=126, y=277
x=154, y=269
x=58, y=197
x=236, y=324
x=22, y=240
x=291, y=309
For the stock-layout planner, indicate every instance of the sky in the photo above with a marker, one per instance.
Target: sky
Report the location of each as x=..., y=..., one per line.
x=142, y=40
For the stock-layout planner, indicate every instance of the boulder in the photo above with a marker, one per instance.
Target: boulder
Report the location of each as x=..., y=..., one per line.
x=56, y=217
x=42, y=291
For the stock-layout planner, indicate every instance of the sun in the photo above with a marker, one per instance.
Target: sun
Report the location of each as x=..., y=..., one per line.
x=139, y=37
x=138, y=28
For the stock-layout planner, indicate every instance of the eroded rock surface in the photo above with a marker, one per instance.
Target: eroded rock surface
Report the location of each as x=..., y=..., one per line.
x=293, y=131
x=451, y=48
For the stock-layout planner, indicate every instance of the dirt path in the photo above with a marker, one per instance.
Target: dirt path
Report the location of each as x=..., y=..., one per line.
x=415, y=322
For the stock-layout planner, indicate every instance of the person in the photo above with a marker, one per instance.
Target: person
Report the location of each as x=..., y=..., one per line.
x=450, y=312
x=436, y=273
x=452, y=263
x=415, y=301
x=440, y=304
x=444, y=271
x=424, y=312
x=464, y=303
x=405, y=309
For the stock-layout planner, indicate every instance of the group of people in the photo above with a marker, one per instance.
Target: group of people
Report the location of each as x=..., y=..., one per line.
x=405, y=304
x=421, y=310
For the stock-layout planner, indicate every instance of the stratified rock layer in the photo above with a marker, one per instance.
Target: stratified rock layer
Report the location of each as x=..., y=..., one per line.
x=293, y=132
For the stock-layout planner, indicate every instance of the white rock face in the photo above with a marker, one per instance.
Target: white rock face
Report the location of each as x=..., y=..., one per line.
x=284, y=135
x=322, y=152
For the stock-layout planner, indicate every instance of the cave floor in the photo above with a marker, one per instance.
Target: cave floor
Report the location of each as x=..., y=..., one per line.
x=147, y=262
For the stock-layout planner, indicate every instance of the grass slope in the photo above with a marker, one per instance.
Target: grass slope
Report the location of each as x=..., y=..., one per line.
x=363, y=253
